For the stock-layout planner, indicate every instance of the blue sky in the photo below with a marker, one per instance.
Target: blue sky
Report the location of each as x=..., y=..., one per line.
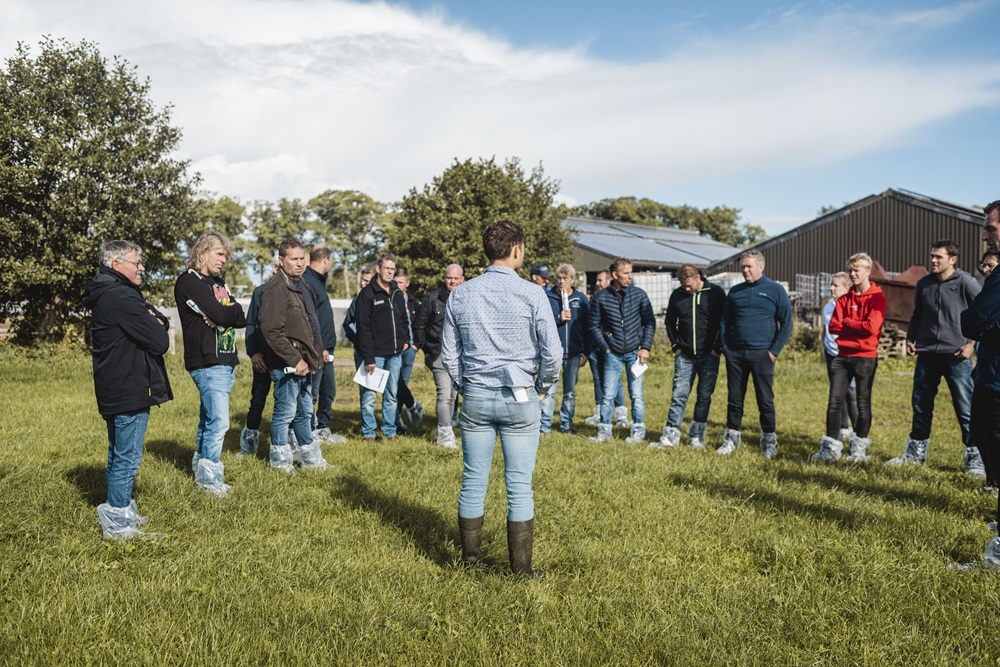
x=774, y=108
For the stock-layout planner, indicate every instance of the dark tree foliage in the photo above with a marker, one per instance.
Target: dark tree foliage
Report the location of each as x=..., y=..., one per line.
x=85, y=157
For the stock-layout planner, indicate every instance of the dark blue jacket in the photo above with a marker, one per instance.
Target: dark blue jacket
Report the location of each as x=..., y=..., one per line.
x=979, y=322
x=324, y=312
x=757, y=316
x=623, y=324
x=571, y=333
x=254, y=338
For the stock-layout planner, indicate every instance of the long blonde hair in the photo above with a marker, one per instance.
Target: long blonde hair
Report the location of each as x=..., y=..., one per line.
x=205, y=243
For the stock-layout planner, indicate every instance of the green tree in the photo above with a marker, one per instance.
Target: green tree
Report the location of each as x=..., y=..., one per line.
x=270, y=224
x=721, y=223
x=352, y=225
x=225, y=215
x=85, y=157
x=444, y=222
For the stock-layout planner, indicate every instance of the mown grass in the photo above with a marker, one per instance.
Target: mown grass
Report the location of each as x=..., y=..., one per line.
x=677, y=557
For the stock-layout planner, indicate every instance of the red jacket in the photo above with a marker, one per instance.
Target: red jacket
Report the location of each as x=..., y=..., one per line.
x=857, y=322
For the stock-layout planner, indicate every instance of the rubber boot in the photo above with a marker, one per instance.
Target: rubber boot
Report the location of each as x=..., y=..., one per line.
x=520, y=542
x=471, y=531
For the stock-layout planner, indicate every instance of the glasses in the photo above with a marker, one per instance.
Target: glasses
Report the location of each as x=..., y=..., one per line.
x=987, y=265
x=132, y=261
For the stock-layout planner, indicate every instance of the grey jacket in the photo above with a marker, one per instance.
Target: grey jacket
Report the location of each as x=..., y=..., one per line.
x=935, y=326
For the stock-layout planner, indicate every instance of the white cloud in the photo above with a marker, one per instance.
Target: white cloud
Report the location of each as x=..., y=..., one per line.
x=286, y=98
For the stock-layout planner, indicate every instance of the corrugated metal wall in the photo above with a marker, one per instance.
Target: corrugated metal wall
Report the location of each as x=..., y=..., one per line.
x=895, y=232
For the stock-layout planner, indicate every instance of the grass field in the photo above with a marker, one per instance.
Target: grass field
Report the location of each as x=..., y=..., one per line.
x=676, y=557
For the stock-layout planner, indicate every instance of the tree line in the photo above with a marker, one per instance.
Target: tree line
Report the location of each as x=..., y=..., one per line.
x=85, y=156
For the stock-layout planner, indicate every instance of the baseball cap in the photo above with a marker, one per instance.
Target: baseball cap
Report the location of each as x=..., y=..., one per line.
x=540, y=270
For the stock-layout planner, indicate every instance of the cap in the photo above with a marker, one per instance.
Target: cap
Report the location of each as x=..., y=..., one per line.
x=540, y=270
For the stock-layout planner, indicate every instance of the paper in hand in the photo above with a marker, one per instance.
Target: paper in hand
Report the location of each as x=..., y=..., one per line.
x=638, y=369
x=376, y=380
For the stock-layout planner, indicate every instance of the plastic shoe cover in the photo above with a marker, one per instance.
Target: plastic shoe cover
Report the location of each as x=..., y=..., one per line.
x=281, y=458
x=416, y=413
x=209, y=477
x=731, y=441
x=636, y=435
x=140, y=521
x=974, y=463
x=312, y=458
x=194, y=461
x=446, y=437
x=321, y=435
x=768, y=445
x=249, y=439
x=859, y=449
x=594, y=419
x=117, y=523
x=916, y=452
x=671, y=438
x=829, y=450
x=603, y=433
x=696, y=434
x=991, y=557
x=621, y=416
x=846, y=434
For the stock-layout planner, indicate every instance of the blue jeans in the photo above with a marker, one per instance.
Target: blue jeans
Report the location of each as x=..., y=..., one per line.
x=957, y=372
x=259, y=391
x=597, y=370
x=324, y=386
x=293, y=406
x=368, y=423
x=569, y=375
x=125, y=435
x=214, y=384
x=486, y=412
x=686, y=366
x=613, y=365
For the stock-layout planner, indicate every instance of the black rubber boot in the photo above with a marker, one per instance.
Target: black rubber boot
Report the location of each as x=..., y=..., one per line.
x=471, y=531
x=520, y=541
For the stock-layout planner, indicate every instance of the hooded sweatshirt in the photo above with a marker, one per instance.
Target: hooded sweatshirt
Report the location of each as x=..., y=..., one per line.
x=857, y=322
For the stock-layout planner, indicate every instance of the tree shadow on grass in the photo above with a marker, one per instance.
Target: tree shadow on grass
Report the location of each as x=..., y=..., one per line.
x=91, y=481
x=171, y=452
x=429, y=532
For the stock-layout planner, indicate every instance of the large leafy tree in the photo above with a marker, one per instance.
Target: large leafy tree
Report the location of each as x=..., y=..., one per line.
x=444, y=222
x=270, y=224
x=226, y=215
x=721, y=223
x=352, y=225
x=85, y=157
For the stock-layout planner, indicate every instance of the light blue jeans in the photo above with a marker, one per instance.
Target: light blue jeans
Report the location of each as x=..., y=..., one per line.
x=214, y=384
x=487, y=412
x=569, y=375
x=613, y=365
x=368, y=424
x=293, y=405
x=125, y=435
x=686, y=367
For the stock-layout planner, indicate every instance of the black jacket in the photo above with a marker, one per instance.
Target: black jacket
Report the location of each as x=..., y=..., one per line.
x=129, y=345
x=381, y=321
x=202, y=343
x=694, y=320
x=624, y=324
x=429, y=322
x=324, y=311
x=254, y=337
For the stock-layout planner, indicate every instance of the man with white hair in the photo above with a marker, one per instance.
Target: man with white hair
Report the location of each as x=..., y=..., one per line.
x=570, y=309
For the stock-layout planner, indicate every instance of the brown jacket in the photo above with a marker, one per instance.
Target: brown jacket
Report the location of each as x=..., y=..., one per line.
x=284, y=322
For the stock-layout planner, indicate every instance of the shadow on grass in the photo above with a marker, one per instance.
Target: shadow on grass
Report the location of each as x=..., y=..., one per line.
x=173, y=453
x=425, y=527
x=91, y=481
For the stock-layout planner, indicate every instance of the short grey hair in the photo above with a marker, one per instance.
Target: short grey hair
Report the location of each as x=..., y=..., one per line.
x=566, y=270
x=756, y=254
x=117, y=249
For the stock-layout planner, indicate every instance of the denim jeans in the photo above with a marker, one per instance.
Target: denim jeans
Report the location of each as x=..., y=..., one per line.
x=957, y=372
x=259, y=391
x=293, y=406
x=741, y=365
x=214, y=384
x=486, y=412
x=613, y=365
x=570, y=374
x=597, y=370
x=849, y=408
x=686, y=367
x=368, y=423
x=125, y=435
x=445, y=393
x=842, y=371
x=324, y=386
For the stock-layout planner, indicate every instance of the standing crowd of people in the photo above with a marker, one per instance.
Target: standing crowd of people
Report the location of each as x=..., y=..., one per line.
x=505, y=345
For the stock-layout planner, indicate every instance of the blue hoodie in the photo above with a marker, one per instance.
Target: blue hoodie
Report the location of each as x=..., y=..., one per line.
x=757, y=316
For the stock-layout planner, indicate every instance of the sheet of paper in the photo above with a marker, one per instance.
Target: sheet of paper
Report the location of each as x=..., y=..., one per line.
x=638, y=369
x=520, y=394
x=375, y=380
